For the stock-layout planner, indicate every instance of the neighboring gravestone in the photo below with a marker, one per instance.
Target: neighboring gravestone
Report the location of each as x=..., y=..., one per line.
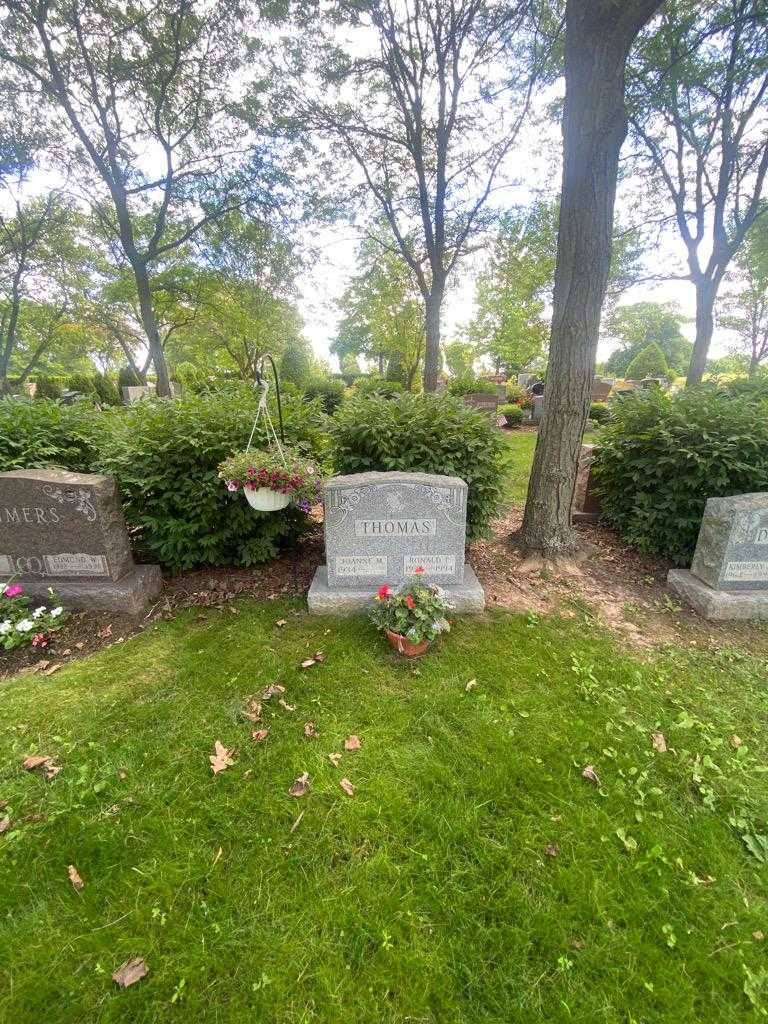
x=66, y=531
x=379, y=527
x=482, y=401
x=537, y=410
x=586, y=503
x=728, y=578
x=137, y=393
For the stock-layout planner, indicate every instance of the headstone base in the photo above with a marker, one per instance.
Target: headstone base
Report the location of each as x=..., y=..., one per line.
x=718, y=605
x=129, y=595
x=467, y=597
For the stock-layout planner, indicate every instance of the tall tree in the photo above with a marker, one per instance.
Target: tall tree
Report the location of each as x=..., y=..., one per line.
x=429, y=115
x=745, y=303
x=699, y=92
x=637, y=325
x=142, y=97
x=598, y=37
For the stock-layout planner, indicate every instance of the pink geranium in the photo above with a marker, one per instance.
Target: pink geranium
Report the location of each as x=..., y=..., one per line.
x=13, y=590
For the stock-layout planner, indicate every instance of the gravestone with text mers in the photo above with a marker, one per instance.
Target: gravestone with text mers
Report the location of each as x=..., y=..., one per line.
x=66, y=531
x=728, y=578
x=379, y=527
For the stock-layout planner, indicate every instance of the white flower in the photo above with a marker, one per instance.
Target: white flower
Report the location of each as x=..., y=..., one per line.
x=56, y=612
x=38, y=612
x=24, y=625
x=5, y=627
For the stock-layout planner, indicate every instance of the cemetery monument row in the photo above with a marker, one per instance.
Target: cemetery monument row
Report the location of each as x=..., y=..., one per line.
x=728, y=578
x=379, y=527
x=66, y=531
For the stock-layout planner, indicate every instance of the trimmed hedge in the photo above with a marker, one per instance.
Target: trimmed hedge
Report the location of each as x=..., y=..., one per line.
x=425, y=434
x=599, y=412
x=165, y=455
x=460, y=386
x=661, y=457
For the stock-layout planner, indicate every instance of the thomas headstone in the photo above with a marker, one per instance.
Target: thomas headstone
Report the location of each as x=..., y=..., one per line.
x=379, y=527
x=66, y=531
x=728, y=578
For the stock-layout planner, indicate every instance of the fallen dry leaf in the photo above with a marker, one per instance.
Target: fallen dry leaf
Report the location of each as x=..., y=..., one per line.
x=271, y=690
x=80, y=645
x=308, y=663
x=252, y=709
x=334, y=759
x=591, y=775
x=285, y=706
x=319, y=656
x=659, y=743
x=310, y=731
x=216, y=857
x=281, y=622
x=5, y=824
x=40, y=666
x=51, y=771
x=51, y=669
x=299, y=788
x=552, y=850
x=221, y=758
x=33, y=761
x=471, y=685
x=347, y=786
x=104, y=633
x=259, y=734
x=736, y=741
x=75, y=879
x=352, y=743
x=132, y=971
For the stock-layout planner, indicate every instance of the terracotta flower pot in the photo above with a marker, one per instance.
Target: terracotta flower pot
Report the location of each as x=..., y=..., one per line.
x=403, y=645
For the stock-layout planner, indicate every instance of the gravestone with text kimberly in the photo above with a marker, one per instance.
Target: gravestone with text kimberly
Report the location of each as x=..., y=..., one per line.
x=728, y=578
x=380, y=527
x=66, y=531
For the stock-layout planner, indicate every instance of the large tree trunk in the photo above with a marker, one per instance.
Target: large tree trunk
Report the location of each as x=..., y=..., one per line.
x=150, y=328
x=432, y=307
x=706, y=292
x=599, y=34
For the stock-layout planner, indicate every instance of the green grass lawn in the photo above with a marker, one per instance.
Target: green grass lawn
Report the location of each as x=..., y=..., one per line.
x=428, y=896
x=521, y=444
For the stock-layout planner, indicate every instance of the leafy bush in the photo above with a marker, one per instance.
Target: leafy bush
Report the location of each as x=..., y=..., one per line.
x=106, y=389
x=471, y=386
x=426, y=434
x=599, y=412
x=165, y=455
x=649, y=362
x=83, y=383
x=128, y=378
x=47, y=387
x=661, y=457
x=329, y=390
x=514, y=392
x=43, y=433
x=753, y=389
x=373, y=384
x=513, y=414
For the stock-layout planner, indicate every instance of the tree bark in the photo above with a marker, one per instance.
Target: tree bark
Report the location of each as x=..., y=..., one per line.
x=432, y=306
x=706, y=292
x=599, y=34
x=149, y=323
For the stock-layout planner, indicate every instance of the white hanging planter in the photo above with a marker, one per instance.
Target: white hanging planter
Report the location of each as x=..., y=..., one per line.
x=266, y=500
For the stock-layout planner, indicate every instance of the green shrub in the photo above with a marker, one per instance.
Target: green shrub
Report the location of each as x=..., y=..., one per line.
x=661, y=457
x=43, y=433
x=47, y=387
x=649, y=362
x=513, y=414
x=460, y=386
x=427, y=434
x=753, y=389
x=373, y=384
x=128, y=378
x=329, y=390
x=514, y=392
x=106, y=389
x=599, y=412
x=81, y=382
x=165, y=456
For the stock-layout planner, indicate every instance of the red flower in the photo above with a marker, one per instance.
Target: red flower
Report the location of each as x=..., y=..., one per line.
x=39, y=640
x=410, y=602
x=384, y=591
x=419, y=568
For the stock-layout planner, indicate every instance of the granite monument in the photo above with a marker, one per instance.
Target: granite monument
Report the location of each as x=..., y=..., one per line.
x=728, y=578
x=66, y=531
x=379, y=527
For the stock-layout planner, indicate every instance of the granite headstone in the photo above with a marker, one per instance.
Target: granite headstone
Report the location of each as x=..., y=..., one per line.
x=482, y=401
x=379, y=527
x=586, y=502
x=728, y=578
x=66, y=531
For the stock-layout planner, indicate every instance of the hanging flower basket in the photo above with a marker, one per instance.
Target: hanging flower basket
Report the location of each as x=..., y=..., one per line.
x=271, y=480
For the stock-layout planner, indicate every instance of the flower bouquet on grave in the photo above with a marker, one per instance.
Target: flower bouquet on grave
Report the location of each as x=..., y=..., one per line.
x=272, y=479
x=413, y=616
x=20, y=623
